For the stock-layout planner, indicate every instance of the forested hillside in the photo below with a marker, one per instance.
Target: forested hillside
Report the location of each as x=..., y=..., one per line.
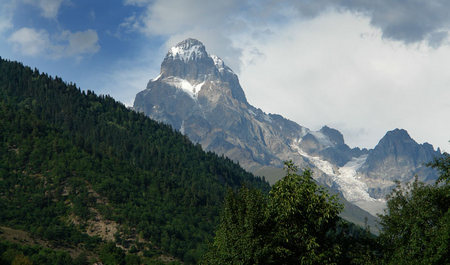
x=70, y=158
x=297, y=223
x=84, y=179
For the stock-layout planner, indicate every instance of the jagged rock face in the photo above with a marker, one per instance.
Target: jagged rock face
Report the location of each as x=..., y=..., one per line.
x=328, y=143
x=334, y=136
x=201, y=97
x=189, y=61
x=398, y=157
x=398, y=152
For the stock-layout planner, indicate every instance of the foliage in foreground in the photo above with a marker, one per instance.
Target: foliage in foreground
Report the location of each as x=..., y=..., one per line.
x=59, y=146
x=67, y=154
x=416, y=224
x=297, y=223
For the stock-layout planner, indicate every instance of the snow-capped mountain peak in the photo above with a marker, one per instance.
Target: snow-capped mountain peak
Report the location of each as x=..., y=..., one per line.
x=199, y=95
x=188, y=66
x=189, y=49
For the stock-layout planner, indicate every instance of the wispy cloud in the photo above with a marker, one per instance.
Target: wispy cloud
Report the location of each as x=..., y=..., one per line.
x=32, y=42
x=137, y=2
x=79, y=43
x=49, y=8
x=5, y=23
x=6, y=15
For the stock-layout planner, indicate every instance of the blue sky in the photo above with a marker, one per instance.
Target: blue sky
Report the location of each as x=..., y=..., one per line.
x=363, y=67
x=82, y=41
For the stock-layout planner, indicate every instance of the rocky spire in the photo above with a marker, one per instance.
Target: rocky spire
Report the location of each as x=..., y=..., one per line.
x=188, y=64
x=187, y=50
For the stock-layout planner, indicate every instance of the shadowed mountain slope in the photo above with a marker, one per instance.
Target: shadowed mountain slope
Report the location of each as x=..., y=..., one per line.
x=80, y=169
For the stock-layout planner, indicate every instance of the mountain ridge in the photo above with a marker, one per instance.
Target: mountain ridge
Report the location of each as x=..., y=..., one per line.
x=227, y=124
x=81, y=169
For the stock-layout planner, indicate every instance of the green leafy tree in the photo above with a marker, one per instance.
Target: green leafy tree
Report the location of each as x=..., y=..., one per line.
x=291, y=226
x=242, y=237
x=302, y=213
x=442, y=164
x=111, y=255
x=416, y=223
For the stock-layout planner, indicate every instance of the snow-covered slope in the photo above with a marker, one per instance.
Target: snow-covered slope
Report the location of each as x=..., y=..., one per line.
x=345, y=180
x=186, y=86
x=199, y=95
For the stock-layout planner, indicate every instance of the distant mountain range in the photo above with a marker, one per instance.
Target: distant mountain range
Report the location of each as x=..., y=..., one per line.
x=197, y=94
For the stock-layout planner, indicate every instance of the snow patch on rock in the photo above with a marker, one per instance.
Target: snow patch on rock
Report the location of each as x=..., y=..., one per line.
x=353, y=188
x=186, y=53
x=345, y=178
x=183, y=84
x=156, y=78
x=182, y=129
x=220, y=65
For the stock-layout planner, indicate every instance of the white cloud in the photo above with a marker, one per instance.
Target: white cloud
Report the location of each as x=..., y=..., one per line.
x=173, y=16
x=129, y=24
x=49, y=8
x=29, y=41
x=32, y=42
x=338, y=70
x=80, y=42
x=211, y=22
x=321, y=66
x=5, y=23
x=6, y=15
x=137, y=2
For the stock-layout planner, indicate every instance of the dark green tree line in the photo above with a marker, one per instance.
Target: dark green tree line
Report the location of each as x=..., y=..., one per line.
x=62, y=148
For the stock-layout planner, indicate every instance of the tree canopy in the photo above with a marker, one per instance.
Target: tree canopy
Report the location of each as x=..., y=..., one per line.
x=68, y=156
x=416, y=223
x=289, y=226
x=298, y=223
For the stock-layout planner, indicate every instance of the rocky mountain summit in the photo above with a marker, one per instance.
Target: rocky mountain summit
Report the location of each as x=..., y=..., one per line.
x=197, y=94
x=397, y=157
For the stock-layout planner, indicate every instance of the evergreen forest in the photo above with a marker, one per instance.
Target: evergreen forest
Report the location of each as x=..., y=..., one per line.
x=84, y=179
x=69, y=156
